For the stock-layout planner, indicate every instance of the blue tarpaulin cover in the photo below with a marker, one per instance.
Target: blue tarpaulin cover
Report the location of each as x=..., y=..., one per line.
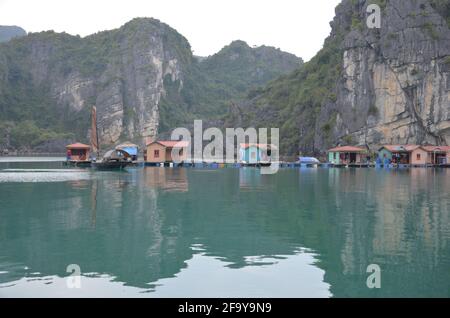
x=129, y=148
x=132, y=151
x=308, y=160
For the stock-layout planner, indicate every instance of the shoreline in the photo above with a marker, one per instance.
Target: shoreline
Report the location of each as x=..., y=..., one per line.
x=32, y=154
x=204, y=165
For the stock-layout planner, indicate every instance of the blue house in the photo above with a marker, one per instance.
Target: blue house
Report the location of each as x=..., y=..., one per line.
x=255, y=153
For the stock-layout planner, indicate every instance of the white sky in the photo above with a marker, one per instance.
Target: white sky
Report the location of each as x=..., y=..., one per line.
x=296, y=26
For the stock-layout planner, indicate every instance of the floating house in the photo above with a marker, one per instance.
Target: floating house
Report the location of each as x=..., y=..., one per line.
x=398, y=154
x=131, y=149
x=414, y=154
x=161, y=151
x=403, y=154
x=346, y=155
x=256, y=153
x=438, y=155
x=78, y=152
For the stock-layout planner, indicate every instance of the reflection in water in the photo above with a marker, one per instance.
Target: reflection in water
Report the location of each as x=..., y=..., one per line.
x=171, y=180
x=198, y=279
x=94, y=202
x=55, y=175
x=228, y=232
x=6, y=161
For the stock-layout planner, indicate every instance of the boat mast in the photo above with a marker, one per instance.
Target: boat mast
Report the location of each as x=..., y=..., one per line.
x=94, y=135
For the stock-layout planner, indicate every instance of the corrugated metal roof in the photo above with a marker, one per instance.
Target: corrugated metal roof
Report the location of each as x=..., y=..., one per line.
x=171, y=143
x=401, y=148
x=437, y=148
x=127, y=145
x=78, y=146
x=261, y=146
x=347, y=149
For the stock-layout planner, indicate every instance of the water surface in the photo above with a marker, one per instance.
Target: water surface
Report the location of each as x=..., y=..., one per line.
x=161, y=232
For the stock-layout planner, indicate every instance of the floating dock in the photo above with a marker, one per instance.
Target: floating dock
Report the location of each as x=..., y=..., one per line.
x=288, y=165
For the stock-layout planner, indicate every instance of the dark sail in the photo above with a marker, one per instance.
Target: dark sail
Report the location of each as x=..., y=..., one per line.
x=94, y=134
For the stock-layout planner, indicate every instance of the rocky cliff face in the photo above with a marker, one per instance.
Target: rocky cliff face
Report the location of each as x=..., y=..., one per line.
x=142, y=77
x=366, y=86
x=395, y=84
x=119, y=71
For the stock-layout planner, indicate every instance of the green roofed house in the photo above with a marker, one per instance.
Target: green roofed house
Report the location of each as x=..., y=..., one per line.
x=256, y=153
x=346, y=155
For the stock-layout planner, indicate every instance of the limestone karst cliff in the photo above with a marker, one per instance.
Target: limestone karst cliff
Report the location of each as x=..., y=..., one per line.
x=366, y=86
x=142, y=77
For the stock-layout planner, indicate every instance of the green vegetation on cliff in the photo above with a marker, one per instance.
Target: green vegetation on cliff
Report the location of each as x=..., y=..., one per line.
x=322, y=104
x=443, y=8
x=293, y=101
x=212, y=84
x=48, y=80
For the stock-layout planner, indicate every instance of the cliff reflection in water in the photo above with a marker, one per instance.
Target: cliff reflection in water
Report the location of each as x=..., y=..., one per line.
x=142, y=227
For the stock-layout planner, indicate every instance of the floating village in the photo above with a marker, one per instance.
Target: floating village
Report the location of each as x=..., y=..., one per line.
x=159, y=154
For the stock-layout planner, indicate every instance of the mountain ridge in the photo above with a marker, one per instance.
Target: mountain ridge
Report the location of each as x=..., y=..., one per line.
x=366, y=87
x=8, y=32
x=142, y=77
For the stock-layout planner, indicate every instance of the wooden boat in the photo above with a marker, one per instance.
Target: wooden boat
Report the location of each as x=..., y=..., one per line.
x=77, y=164
x=110, y=165
x=114, y=159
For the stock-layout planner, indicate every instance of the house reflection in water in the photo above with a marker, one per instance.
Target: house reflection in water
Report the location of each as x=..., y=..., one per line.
x=389, y=221
x=251, y=179
x=170, y=180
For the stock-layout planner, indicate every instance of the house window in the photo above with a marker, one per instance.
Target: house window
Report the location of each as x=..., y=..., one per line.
x=253, y=155
x=156, y=153
x=418, y=156
x=77, y=152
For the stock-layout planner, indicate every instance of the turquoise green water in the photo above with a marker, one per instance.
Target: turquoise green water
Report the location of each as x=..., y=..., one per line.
x=158, y=232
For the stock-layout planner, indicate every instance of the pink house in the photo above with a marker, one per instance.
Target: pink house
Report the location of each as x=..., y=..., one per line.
x=438, y=154
x=418, y=156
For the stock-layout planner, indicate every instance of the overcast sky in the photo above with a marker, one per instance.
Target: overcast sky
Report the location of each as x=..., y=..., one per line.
x=296, y=26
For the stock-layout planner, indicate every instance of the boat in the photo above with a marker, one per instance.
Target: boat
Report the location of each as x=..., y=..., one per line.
x=308, y=162
x=77, y=164
x=117, y=159
x=109, y=165
x=113, y=160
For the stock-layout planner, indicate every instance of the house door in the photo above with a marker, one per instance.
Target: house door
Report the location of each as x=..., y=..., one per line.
x=253, y=156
